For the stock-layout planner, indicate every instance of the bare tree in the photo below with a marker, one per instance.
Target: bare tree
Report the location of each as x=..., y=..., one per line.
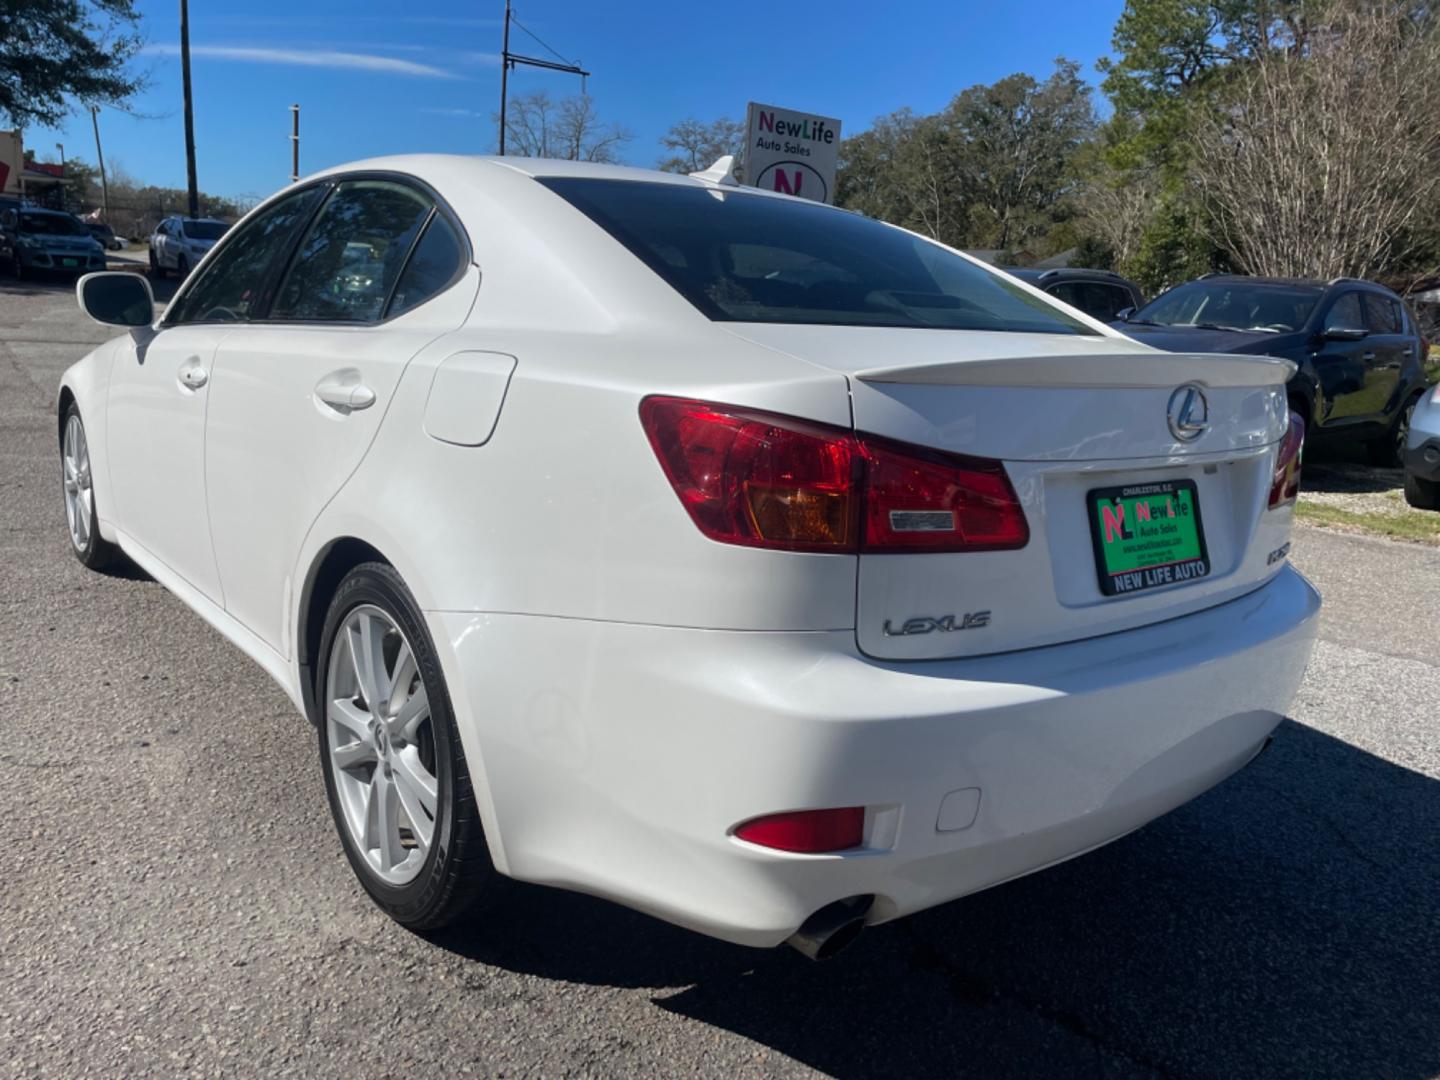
x=694, y=145
x=1325, y=159
x=538, y=126
x=1116, y=206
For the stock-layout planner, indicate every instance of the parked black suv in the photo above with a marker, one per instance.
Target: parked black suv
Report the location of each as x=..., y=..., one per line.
x=1101, y=294
x=1361, y=356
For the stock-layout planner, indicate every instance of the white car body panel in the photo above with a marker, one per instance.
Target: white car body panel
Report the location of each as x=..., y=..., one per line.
x=155, y=446
x=628, y=690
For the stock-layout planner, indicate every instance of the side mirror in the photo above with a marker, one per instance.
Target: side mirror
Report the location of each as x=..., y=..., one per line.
x=1344, y=332
x=116, y=298
x=1123, y=315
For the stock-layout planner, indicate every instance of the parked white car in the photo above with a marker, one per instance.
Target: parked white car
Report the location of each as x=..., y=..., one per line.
x=1422, y=453
x=179, y=243
x=737, y=558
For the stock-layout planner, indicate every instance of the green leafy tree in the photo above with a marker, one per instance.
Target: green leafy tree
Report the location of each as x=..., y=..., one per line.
x=56, y=52
x=694, y=145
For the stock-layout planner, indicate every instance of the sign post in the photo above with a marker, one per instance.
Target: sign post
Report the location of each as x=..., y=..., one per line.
x=791, y=152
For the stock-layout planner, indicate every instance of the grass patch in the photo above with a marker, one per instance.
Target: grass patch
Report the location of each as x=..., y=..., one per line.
x=1417, y=526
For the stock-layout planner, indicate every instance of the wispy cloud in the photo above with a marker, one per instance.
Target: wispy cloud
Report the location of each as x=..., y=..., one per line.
x=310, y=58
x=439, y=111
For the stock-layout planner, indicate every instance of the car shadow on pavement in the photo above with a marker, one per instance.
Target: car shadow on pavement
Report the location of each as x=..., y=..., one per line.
x=1342, y=468
x=1285, y=924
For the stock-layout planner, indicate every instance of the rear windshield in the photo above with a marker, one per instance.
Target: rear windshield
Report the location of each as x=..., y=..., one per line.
x=52, y=225
x=1225, y=304
x=749, y=258
x=204, y=230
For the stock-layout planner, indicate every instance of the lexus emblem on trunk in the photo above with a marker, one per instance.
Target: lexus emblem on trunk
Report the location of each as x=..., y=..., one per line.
x=1189, y=413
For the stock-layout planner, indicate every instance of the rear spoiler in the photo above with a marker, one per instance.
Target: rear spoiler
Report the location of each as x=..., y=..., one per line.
x=1122, y=370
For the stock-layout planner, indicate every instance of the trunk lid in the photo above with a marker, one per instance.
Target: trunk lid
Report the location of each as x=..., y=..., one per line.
x=1068, y=416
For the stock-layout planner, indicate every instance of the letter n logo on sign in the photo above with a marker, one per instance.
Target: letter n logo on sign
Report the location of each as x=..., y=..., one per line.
x=1114, y=519
x=785, y=183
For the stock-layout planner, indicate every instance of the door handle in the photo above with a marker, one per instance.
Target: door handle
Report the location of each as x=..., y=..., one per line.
x=1369, y=356
x=192, y=375
x=344, y=392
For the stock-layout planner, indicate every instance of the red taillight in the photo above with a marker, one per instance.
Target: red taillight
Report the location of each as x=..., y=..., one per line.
x=808, y=831
x=755, y=478
x=1285, y=484
x=752, y=478
x=917, y=501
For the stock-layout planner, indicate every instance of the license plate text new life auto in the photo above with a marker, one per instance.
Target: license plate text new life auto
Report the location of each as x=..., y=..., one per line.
x=1147, y=535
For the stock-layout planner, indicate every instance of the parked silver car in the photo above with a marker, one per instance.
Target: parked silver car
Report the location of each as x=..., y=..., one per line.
x=178, y=243
x=1422, y=453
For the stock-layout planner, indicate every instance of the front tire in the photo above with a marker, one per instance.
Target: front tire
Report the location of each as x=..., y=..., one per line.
x=156, y=270
x=395, y=773
x=77, y=483
x=182, y=267
x=1422, y=494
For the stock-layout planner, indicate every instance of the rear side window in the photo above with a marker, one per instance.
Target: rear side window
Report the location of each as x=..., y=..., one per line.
x=747, y=257
x=232, y=281
x=1095, y=298
x=435, y=263
x=351, y=259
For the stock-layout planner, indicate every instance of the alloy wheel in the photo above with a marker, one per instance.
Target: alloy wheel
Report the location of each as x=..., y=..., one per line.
x=79, y=497
x=381, y=744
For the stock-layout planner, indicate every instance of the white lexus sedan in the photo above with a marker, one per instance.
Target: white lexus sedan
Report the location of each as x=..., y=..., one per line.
x=740, y=559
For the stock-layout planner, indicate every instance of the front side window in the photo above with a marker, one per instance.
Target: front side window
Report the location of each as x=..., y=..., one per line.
x=1382, y=315
x=1345, y=312
x=233, y=280
x=1227, y=304
x=354, y=253
x=747, y=257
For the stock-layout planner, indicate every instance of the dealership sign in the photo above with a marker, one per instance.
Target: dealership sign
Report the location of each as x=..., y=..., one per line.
x=792, y=152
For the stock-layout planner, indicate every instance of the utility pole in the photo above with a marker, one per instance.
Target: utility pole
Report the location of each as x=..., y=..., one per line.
x=294, y=143
x=100, y=157
x=189, y=109
x=508, y=60
x=64, y=195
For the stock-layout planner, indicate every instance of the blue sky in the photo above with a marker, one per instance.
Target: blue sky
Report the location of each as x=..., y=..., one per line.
x=376, y=78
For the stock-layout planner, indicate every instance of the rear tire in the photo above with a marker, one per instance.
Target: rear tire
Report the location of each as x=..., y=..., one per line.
x=1422, y=494
x=77, y=483
x=424, y=865
x=1388, y=451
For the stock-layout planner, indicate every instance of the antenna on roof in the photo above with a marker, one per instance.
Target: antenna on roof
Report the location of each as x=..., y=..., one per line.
x=722, y=172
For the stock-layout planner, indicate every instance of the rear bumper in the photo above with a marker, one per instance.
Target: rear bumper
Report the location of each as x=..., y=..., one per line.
x=618, y=758
x=1424, y=460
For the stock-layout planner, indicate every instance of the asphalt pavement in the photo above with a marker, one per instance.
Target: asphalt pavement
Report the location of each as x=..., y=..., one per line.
x=176, y=903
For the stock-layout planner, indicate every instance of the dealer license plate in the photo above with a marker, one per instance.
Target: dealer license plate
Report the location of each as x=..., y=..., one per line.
x=69, y=262
x=1147, y=536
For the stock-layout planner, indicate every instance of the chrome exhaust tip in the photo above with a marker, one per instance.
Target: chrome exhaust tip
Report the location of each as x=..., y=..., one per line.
x=832, y=928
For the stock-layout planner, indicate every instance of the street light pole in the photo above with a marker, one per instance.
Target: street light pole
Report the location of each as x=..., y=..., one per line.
x=189, y=109
x=64, y=202
x=509, y=60
x=294, y=143
x=504, y=75
x=100, y=157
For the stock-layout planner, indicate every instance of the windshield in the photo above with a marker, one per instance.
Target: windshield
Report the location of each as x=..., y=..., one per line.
x=1233, y=305
x=52, y=225
x=204, y=230
x=749, y=258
